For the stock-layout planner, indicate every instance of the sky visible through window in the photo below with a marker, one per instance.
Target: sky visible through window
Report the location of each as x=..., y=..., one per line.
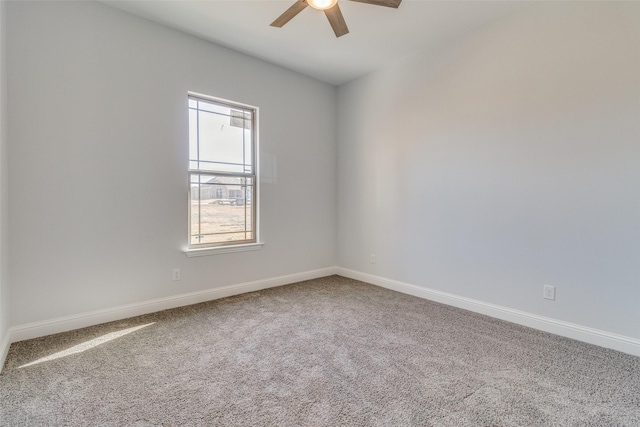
x=216, y=141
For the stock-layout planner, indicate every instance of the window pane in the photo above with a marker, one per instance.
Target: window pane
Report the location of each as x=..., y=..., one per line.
x=217, y=145
x=210, y=179
x=220, y=143
x=193, y=138
x=221, y=209
x=248, y=152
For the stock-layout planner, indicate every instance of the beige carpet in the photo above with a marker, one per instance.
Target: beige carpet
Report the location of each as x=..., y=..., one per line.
x=326, y=352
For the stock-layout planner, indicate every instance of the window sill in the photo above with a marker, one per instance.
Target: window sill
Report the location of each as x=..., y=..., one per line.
x=223, y=250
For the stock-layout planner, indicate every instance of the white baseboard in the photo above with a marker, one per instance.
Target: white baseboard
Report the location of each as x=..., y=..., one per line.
x=82, y=320
x=570, y=330
x=5, y=342
x=68, y=323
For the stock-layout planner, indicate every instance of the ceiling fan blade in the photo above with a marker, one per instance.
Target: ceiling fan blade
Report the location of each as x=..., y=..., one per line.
x=337, y=20
x=387, y=3
x=295, y=9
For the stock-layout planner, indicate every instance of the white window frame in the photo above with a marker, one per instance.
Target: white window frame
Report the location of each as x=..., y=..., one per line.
x=230, y=246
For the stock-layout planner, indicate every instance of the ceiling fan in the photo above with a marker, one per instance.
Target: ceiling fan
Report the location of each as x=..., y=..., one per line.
x=331, y=9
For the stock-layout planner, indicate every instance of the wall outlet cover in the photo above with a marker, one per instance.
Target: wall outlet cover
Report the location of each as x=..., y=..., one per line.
x=549, y=292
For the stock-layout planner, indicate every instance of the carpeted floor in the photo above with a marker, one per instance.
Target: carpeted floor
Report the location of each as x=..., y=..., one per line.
x=326, y=352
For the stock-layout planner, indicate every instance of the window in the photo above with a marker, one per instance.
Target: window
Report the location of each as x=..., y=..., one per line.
x=222, y=173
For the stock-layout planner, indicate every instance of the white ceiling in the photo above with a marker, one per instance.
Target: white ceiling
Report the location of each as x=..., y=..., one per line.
x=306, y=44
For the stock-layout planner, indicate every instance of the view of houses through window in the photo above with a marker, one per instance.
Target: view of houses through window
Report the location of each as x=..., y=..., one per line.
x=222, y=172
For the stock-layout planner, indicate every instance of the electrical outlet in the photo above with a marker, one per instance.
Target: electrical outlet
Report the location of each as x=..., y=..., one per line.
x=549, y=292
x=373, y=258
x=176, y=274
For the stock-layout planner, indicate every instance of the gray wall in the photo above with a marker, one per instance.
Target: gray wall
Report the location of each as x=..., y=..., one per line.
x=4, y=174
x=507, y=160
x=98, y=145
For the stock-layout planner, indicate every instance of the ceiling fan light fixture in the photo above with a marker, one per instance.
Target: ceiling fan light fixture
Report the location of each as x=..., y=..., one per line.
x=330, y=9
x=322, y=4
